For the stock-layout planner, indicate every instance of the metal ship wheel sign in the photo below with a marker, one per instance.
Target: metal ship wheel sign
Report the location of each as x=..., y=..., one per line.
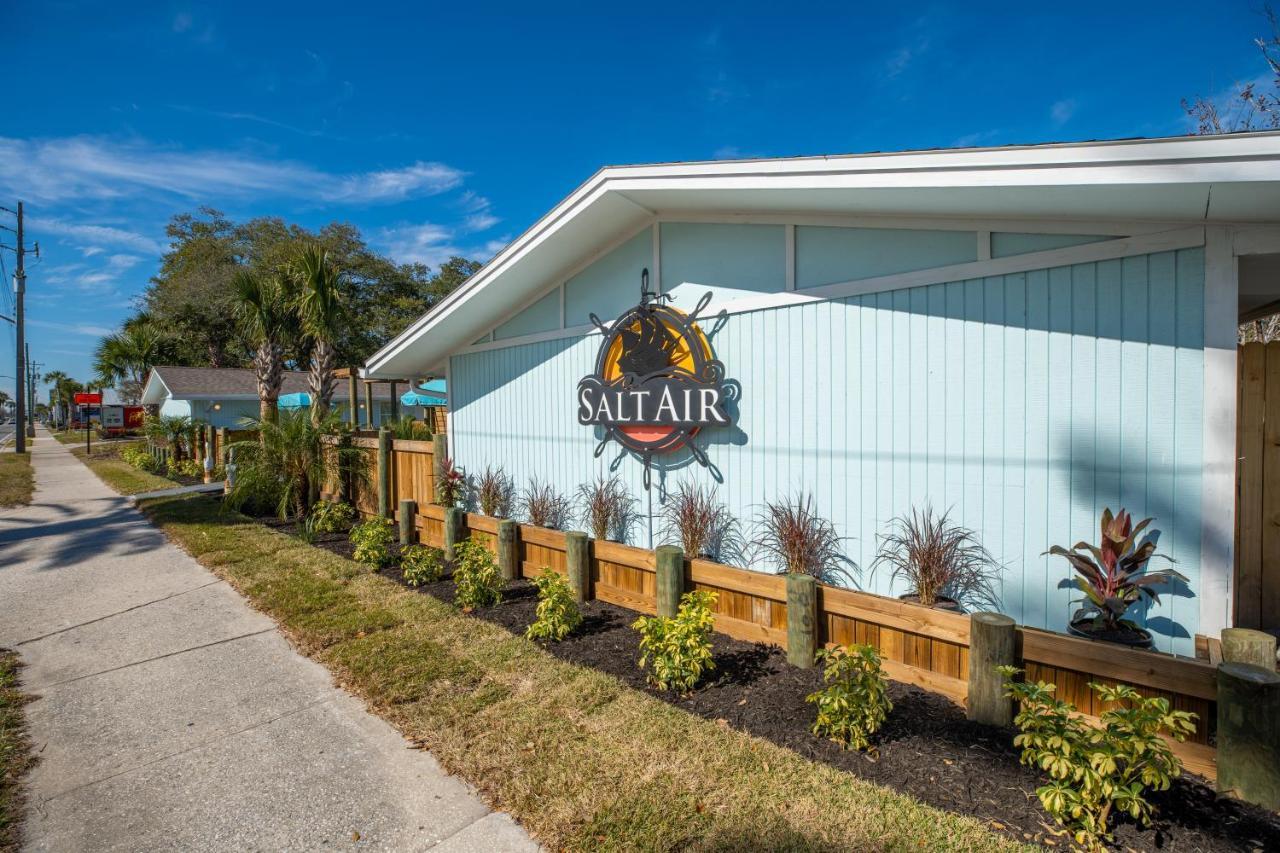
x=656, y=382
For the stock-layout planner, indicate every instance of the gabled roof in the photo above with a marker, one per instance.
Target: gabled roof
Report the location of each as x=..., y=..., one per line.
x=228, y=383
x=1232, y=178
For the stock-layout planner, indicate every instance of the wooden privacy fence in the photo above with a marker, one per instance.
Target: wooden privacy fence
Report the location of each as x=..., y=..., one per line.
x=410, y=474
x=1257, y=570
x=919, y=645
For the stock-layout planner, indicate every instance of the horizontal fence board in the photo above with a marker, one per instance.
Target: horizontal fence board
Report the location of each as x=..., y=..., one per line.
x=953, y=627
x=1134, y=667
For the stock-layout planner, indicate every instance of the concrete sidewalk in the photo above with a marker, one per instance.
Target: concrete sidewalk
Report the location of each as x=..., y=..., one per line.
x=171, y=716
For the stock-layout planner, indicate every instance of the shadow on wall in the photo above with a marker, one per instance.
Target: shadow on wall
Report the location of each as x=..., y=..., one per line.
x=1155, y=490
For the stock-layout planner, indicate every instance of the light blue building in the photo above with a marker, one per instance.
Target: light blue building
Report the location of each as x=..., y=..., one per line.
x=1021, y=335
x=228, y=396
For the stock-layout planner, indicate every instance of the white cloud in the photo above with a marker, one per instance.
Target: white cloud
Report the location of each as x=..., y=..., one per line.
x=97, y=235
x=428, y=244
x=83, y=167
x=123, y=262
x=86, y=329
x=90, y=251
x=1062, y=111
x=432, y=244
x=480, y=222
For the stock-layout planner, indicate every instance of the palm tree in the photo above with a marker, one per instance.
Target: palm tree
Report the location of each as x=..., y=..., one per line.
x=124, y=358
x=284, y=471
x=55, y=379
x=319, y=306
x=265, y=309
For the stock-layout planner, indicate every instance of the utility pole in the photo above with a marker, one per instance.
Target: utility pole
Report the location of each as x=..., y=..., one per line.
x=32, y=378
x=20, y=289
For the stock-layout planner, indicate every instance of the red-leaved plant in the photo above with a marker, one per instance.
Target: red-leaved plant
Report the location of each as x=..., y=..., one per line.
x=452, y=485
x=1113, y=574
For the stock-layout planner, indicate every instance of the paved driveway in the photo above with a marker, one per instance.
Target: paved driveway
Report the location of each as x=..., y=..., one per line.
x=171, y=716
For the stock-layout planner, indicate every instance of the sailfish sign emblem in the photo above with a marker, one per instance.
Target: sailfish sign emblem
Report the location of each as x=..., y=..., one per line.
x=656, y=382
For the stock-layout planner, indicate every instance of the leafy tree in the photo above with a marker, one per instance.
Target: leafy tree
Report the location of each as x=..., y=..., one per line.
x=192, y=301
x=319, y=303
x=123, y=359
x=264, y=306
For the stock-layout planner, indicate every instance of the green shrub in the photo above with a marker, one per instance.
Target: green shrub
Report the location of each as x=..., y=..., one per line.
x=558, y=615
x=853, y=703
x=140, y=458
x=1095, y=771
x=330, y=517
x=476, y=577
x=421, y=564
x=373, y=540
x=677, y=651
x=186, y=468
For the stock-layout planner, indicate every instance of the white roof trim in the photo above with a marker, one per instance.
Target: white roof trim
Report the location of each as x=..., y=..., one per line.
x=1196, y=160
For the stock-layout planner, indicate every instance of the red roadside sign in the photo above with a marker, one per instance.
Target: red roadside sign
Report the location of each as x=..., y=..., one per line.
x=88, y=399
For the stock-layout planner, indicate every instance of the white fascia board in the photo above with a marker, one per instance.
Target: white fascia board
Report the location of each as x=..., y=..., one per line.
x=1185, y=160
x=155, y=391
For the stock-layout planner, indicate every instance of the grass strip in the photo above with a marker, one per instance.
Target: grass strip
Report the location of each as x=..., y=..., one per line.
x=17, y=480
x=15, y=751
x=581, y=760
x=105, y=461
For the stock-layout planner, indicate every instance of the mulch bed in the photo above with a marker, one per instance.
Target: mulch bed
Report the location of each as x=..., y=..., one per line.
x=926, y=748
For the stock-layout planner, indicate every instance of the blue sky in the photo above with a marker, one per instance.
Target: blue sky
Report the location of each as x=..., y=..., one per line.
x=442, y=129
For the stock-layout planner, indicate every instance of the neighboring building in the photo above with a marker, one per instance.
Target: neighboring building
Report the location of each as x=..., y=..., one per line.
x=1021, y=335
x=228, y=396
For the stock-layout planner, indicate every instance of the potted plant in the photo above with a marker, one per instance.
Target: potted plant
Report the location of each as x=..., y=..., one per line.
x=801, y=541
x=943, y=563
x=1113, y=576
x=607, y=510
x=495, y=493
x=544, y=506
x=694, y=518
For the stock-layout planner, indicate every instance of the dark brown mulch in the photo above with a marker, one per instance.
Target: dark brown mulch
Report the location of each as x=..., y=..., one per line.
x=926, y=749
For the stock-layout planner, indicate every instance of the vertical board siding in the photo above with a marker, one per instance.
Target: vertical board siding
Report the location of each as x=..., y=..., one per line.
x=1023, y=404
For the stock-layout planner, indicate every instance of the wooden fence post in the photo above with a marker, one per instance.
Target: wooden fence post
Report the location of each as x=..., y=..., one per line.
x=368, y=405
x=1245, y=645
x=384, y=472
x=670, y=565
x=222, y=444
x=992, y=639
x=578, y=562
x=1249, y=734
x=453, y=521
x=802, y=619
x=213, y=444
x=439, y=453
x=509, y=549
x=353, y=399
x=408, y=520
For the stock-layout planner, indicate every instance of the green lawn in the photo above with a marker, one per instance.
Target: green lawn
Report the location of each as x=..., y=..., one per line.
x=581, y=760
x=105, y=461
x=17, y=480
x=15, y=751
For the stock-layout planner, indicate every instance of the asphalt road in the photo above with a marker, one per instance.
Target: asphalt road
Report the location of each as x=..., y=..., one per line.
x=6, y=433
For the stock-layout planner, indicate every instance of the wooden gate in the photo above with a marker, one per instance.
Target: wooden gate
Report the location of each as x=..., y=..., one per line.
x=1257, y=580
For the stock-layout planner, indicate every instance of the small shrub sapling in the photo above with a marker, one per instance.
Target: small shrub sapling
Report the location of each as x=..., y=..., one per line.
x=558, y=615
x=853, y=703
x=1096, y=771
x=331, y=517
x=477, y=580
x=140, y=459
x=938, y=559
x=421, y=564
x=676, y=651
x=694, y=517
x=372, y=541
